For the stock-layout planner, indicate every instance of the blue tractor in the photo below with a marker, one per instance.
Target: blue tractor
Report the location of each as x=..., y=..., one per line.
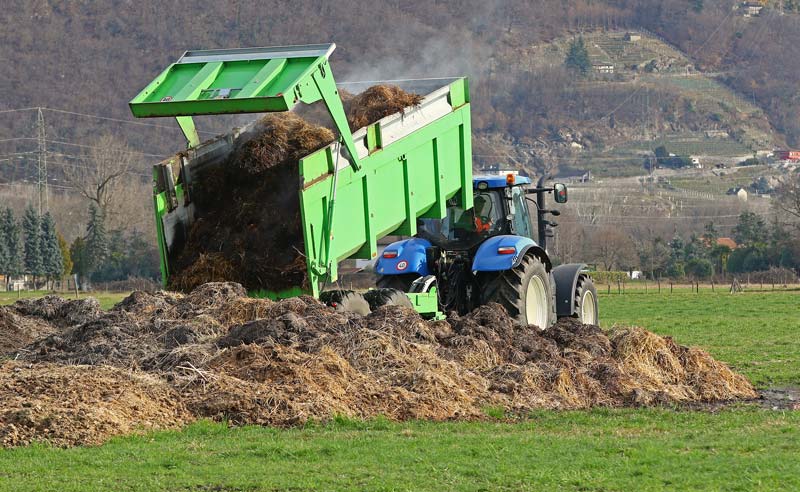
x=489, y=254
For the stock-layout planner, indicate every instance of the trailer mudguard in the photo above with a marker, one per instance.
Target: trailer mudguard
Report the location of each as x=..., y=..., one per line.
x=487, y=258
x=411, y=258
x=566, y=278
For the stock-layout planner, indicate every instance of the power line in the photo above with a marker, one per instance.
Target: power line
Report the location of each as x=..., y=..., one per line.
x=16, y=110
x=101, y=148
x=118, y=120
x=25, y=183
x=78, y=166
x=16, y=139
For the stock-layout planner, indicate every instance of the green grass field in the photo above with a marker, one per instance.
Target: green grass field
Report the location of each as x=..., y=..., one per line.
x=742, y=447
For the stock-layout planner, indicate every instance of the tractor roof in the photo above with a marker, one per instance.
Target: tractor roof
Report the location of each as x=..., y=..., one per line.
x=498, y=180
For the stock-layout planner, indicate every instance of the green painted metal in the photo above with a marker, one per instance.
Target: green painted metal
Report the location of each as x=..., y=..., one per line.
x=251, y=80
x=187, y=125
x=426, y=304
x=408, y=166
x=411, y=178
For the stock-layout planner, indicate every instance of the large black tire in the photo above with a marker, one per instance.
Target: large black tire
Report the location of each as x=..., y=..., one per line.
x=398, y=282
x=346, y=301
x=387, y=297
x=586, y=297
x=525, y=292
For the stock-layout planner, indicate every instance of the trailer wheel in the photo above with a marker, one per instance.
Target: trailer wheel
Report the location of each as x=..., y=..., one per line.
x=398, y=282
x=586, y=301
x=525, y=292
x=387, y=297
x=345, y=301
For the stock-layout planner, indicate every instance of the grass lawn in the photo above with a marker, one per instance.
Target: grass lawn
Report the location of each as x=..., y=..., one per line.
x=755, y=332
x=106, y=299
x=600, y=450
x=743, y=447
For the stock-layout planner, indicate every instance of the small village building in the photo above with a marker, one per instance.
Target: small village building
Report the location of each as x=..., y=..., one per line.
x=752, y=9
x=726, y=241
x=742, y=194
x=632, y=37
x=603, y=68
x=787, y=155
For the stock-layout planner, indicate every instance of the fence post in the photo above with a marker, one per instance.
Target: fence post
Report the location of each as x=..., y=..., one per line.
x=670, y=286
x=609, y=287
x=712, y=284
x=645, y=286
x=659, y=284
x=698, y=286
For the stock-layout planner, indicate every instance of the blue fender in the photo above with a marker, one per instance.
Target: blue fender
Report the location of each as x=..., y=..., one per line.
x=411, y=258
x=488, y=260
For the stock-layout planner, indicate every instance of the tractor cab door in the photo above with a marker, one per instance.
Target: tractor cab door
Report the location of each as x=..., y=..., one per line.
x=520, y=217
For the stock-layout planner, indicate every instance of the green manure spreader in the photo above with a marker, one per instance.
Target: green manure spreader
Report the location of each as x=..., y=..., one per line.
x=470, y=239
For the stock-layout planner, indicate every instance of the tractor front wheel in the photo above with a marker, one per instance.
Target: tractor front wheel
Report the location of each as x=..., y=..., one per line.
x=586, y=301
x=525, y=292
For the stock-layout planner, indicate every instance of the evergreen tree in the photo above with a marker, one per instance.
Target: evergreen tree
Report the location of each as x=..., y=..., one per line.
x=33, y=254
x=578, y=57
x=4, y=256
x=97, y=249
x=77, y=252
x=11, y=232
x=66, y=257
x=52, y=262
x=751, y=230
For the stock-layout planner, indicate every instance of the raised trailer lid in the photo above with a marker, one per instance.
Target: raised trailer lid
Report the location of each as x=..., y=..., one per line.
x=244, y=80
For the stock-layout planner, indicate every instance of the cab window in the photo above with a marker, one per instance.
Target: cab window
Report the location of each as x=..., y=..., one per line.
x=521, y=221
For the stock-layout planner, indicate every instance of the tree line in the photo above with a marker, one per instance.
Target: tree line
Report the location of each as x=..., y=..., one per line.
x=31, y=246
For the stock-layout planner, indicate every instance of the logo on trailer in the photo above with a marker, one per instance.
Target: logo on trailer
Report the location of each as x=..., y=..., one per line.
x=402, y=265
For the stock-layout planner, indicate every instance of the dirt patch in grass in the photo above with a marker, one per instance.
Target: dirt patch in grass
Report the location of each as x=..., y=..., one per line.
x=255, y=361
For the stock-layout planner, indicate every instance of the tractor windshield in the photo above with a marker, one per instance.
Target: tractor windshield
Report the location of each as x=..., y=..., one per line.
x=466, y=227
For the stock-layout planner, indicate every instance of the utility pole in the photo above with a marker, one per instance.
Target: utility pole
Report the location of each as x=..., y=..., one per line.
x=42, y=162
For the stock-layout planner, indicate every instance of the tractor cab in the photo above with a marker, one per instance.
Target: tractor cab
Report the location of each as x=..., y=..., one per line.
x=499, y=209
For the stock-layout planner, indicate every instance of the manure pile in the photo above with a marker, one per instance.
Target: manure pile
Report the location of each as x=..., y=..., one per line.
x=80, y=376
x=249, y=227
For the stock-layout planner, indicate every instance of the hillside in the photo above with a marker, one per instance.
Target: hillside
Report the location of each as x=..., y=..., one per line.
x=606, y=122
x=700, y=80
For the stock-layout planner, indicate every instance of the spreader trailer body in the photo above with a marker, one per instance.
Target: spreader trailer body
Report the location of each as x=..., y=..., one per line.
x=385, y=179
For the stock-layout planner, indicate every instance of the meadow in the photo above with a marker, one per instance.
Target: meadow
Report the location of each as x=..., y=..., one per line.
x=741, y=446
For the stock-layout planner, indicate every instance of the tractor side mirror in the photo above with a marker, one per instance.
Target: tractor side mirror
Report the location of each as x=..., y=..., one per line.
x=560, y=190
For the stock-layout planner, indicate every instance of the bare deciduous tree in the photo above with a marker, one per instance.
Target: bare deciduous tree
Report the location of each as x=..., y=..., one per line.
x=101, y=174
x=788, y=200
x=613, y=248
x=106, y=176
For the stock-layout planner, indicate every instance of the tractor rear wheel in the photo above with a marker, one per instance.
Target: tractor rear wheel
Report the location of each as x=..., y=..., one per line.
x=387, y=297
x=586, y=301
x=346, y=301
x=525, y=292
x=399, y=282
